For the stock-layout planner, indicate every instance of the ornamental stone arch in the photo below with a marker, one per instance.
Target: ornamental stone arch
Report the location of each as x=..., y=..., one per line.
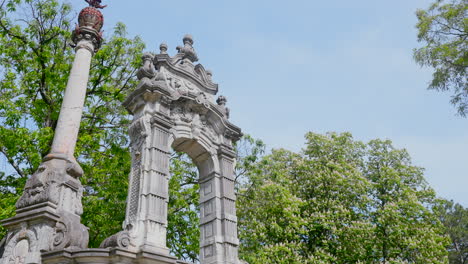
x=173, y=106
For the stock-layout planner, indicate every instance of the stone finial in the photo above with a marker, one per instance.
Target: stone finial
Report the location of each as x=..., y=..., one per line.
x=221, y=101
x=209, y=74
x=188, y=39
x=187, y=50
x=163, y=48
x=147, y=70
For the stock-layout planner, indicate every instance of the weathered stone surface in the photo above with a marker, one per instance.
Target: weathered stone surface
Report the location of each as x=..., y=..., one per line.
x=48, y=213
x=174, y=106
x=108, y=255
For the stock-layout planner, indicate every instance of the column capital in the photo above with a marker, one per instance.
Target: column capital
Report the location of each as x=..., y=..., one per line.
x=226, y=151
x=87, y=33
x=84, y=37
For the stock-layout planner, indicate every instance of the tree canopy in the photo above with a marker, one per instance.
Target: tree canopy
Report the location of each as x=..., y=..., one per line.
x=339, y=201
x=443, y=28
x=454, y=217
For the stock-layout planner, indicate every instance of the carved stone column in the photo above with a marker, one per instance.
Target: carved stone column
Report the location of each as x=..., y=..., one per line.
x=218, y=221
x=226, y=158
x=48, y=213
x=146, y=218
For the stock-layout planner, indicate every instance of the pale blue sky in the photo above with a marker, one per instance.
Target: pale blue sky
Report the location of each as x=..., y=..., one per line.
x=288, y=67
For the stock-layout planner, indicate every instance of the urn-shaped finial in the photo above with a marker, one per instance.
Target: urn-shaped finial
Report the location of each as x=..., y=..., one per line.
x=163, y=48
x=187, y=49
x=222, y=100
x=188, y=39
x=90, y=17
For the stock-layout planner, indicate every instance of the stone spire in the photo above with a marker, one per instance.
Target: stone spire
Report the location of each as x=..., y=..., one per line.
x=48, y=213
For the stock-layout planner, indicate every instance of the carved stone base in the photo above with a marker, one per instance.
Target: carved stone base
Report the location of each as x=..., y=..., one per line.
x=130, y=240
x=26, y=238
x=107, y=255
x=39, y=228
x=48, y=213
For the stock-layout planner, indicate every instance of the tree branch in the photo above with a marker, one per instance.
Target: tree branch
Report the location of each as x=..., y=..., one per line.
x=13, y=164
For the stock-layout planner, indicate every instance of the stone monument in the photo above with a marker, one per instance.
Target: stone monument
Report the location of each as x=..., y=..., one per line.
x=48, y=213
x=173, y=106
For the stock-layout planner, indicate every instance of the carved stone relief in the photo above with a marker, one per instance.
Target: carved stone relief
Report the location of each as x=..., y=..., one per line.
x=182, y=86
x=52, y=196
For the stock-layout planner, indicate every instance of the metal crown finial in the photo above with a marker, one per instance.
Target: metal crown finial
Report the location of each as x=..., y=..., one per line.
x=95, y=3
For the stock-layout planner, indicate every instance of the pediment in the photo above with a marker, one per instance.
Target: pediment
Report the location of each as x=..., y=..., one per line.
x=182, y=91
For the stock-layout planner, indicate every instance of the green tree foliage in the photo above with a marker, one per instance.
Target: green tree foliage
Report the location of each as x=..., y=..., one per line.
x=35, y=59
x=443, y=28
x=454, y=217
x=339, y=201
x=183, y=233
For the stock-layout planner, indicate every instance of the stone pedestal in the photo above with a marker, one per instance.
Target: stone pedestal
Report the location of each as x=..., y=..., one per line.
x=108, y=255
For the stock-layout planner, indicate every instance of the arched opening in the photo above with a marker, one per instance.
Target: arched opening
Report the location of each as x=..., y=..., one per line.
x=189, y=160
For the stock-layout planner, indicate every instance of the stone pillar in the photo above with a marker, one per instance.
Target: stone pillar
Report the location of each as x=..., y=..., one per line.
x=218, y=221
x=48, y=213
x=226, y=158
x=146, y=216
x=211, y=249
x=69, y=120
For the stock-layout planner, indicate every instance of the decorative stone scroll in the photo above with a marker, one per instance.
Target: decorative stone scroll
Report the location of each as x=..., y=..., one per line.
x=174, y=106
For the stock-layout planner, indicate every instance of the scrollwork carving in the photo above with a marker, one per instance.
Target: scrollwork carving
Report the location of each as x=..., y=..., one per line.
x=182, y=113
x=46, y=184
x=178, y=84
x=69, y=233
x=138, y=131
x=122, y=240
x=60, y=237
x=202, y=99
x=18, y=246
